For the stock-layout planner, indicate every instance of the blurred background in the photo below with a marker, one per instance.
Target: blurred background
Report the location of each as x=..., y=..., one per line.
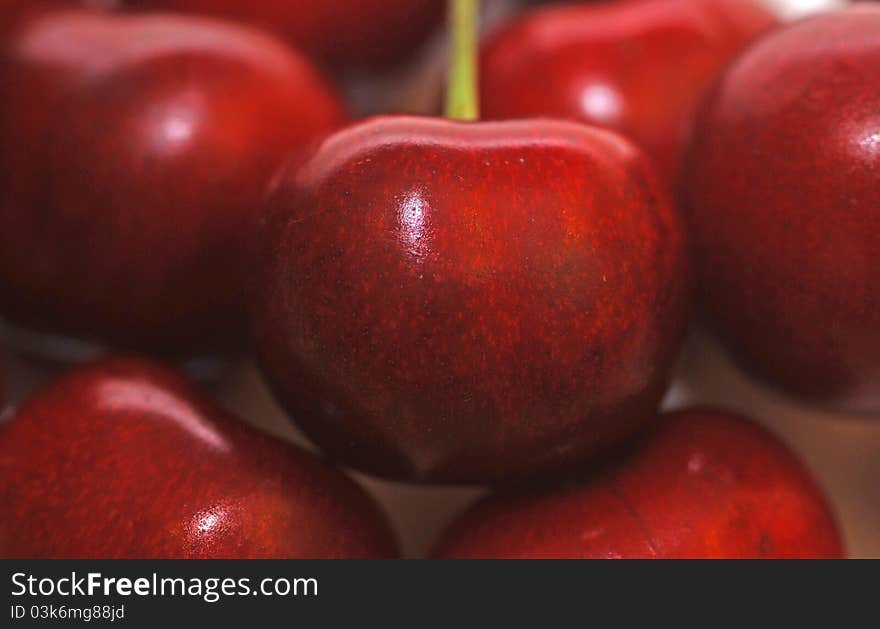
x=842, y=451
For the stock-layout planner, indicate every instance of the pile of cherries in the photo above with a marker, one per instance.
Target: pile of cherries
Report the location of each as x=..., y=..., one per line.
x=435, y=301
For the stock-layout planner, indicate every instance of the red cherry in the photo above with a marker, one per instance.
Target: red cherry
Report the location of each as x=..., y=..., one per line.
x=638, y=66
x=342, y=33
x=137, y=150
x=470, y=302
x=705, y=485
x=124, y=459
x=783, y=186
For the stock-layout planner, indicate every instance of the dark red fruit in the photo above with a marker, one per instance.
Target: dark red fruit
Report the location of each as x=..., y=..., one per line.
x=135, y=151
x=12, y=12
x=124, y=459
x=342, y=33
x=705, y=485
x=638, y=66
x=783, y=187
x=460, y=302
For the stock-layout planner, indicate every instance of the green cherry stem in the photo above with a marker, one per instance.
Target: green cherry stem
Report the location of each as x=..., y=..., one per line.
x=461, y=93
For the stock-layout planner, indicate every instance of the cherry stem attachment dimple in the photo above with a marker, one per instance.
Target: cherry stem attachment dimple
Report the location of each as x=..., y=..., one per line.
x=462, y=99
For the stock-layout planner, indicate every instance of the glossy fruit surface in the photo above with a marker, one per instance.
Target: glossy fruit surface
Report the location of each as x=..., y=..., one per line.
x=342, y=33
x=637, y=66
x=135, y=152
x=124, y=459
x=470, y=302
x=783, y=191
x=706, y=484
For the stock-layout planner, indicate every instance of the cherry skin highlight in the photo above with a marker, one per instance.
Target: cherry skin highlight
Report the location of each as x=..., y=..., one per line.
x=706, y=484
x=366, y=34
x=458, y=302
x=782, y=193
x=124, y=459
x=136, y=152
x=637, y=66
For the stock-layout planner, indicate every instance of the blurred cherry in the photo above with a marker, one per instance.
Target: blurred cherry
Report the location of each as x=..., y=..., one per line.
x=341, y=33
x=636, y=66
x=124, y=459
x=706, y=484
x=783, y=196
x=135, y=153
